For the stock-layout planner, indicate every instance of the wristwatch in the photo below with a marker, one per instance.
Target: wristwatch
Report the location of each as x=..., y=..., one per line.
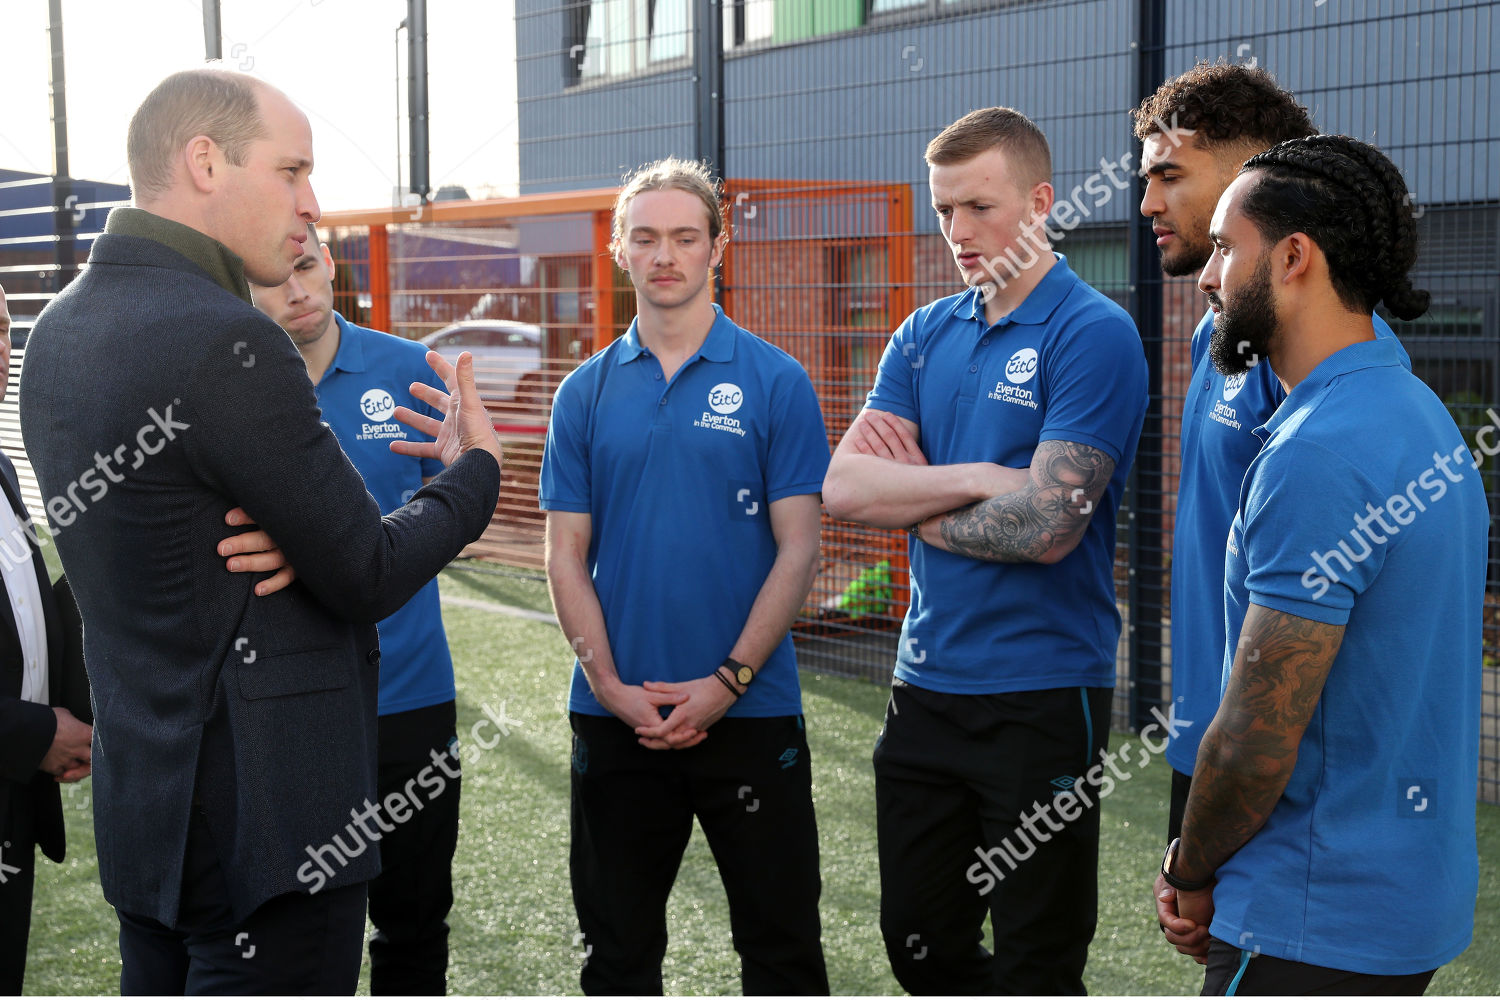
x=1180, y=884
x=742, y=673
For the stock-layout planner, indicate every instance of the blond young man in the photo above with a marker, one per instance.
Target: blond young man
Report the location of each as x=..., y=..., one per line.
x=681, y=482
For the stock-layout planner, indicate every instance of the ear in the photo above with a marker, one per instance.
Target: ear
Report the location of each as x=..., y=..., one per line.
x=327, y=258
x=1041, y=199
x=717, y=257
x=1293, y=258
x=205, y=163
x=617, y=251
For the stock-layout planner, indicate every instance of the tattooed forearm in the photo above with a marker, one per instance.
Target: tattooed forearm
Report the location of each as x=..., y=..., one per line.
x=1040, y=522
x=1250, y=748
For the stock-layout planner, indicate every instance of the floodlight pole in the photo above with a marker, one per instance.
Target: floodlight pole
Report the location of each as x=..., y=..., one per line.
x=213, y=35
x=63, y=208
x=416, y=80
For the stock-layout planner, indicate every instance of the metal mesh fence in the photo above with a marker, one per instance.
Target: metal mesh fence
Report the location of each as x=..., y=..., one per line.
x=825, y=110
x=825, y=104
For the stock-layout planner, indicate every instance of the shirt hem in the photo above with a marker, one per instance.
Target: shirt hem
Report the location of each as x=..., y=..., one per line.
x=1369, y=965
x=418, y=701
x=1311, y=610
x=1007, y=686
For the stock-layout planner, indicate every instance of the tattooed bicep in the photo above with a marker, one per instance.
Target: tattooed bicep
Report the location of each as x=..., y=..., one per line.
x=1070, y=465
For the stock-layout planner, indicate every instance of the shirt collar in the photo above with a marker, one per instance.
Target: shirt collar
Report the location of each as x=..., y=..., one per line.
x=223, y=265
x=1382, y=352
x=717, y=346
x=350, y=356
x=1036, y=308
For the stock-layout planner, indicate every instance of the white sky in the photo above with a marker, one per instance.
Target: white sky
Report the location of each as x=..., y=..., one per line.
x=336, y=58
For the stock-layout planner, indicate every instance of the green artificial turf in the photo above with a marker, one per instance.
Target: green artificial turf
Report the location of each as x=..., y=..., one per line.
x=513, y=922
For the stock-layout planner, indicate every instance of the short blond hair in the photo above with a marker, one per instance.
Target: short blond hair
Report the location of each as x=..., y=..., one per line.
x=670, y=174
x=1005, y=129
x=218, y=103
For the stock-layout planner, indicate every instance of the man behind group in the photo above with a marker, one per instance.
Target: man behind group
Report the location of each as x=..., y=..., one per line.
x=1196, y=131
x=1001, y=429
x=359, y=377
x=40, y=745
x=1329, y=842
x=681, y=483
x=234, y=735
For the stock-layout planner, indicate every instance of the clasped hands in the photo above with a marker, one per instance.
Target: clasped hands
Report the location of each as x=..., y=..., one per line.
x=695, y=705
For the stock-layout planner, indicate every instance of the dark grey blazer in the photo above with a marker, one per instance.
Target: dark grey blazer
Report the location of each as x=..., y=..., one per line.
x=26, y=728
x=153, y=401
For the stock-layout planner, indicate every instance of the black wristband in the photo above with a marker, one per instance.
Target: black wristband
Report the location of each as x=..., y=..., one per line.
x=725, y=681
x=1181, y=884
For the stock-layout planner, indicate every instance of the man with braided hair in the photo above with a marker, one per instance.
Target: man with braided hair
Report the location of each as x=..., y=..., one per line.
x=1196, y=131
x=1329, y=843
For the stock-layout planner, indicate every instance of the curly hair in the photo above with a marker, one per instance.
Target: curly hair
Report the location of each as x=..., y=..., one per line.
x=1351, y=199
x=1224, y=103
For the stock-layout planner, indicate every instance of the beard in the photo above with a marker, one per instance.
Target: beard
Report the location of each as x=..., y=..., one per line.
x=1245, y=326
x=1187, y=259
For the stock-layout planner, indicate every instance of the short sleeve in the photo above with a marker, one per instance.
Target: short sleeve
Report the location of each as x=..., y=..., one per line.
x=896, y=379
x=565, y=481
x=1309, y=542
x=1096, y=387
x=798, y=454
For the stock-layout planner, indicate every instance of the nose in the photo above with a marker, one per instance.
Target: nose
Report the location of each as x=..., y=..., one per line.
x=295, y=292
x=1208, y=280
x=1151, y=200
x=307, y=203
x=958, y=228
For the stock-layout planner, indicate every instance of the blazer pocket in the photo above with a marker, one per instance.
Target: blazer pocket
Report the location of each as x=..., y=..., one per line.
x=294, y=673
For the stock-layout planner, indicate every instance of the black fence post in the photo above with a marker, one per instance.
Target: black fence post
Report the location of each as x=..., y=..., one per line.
x=1148, y=541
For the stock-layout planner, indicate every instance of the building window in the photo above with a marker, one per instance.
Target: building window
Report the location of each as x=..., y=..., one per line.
x=618, y=37
x=880, y=8
x=748, y=21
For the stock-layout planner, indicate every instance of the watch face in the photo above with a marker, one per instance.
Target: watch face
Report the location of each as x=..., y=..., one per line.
x=744, y=675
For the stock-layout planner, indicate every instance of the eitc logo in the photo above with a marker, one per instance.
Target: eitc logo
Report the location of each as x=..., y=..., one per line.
x=1232, y=386
x=1021, y=366
x=725, y=397
x=377, y=405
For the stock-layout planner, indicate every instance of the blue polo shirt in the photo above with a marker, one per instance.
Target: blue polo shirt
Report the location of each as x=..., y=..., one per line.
x=369, y=376
x=1218, y=442
x=1364, y=509
x=678, y=477
x=1064, y=365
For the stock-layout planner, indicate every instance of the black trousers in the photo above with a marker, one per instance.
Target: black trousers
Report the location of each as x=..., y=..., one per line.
x=1182, y=784
x=17, y=877
x=296, y=943
x=410, y=899
x=956, y=778
x=1235, y=972
x=750, y=786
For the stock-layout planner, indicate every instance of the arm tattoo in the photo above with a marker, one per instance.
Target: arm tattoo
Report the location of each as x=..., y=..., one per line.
x=1052, y=511
x=1250, y=748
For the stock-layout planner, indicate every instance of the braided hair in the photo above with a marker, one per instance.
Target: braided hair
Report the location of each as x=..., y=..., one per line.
x=1350, y=198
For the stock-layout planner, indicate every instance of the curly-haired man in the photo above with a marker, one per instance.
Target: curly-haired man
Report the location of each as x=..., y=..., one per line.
x=1195, y=132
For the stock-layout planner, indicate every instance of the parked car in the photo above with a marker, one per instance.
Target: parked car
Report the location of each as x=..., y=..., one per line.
x=513, y=378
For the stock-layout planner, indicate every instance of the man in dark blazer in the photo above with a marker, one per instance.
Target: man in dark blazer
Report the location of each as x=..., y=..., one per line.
x=234, y=735
x=39, y=745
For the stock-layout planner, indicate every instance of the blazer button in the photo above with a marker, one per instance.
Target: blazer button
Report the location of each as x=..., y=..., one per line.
x=373, y=657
